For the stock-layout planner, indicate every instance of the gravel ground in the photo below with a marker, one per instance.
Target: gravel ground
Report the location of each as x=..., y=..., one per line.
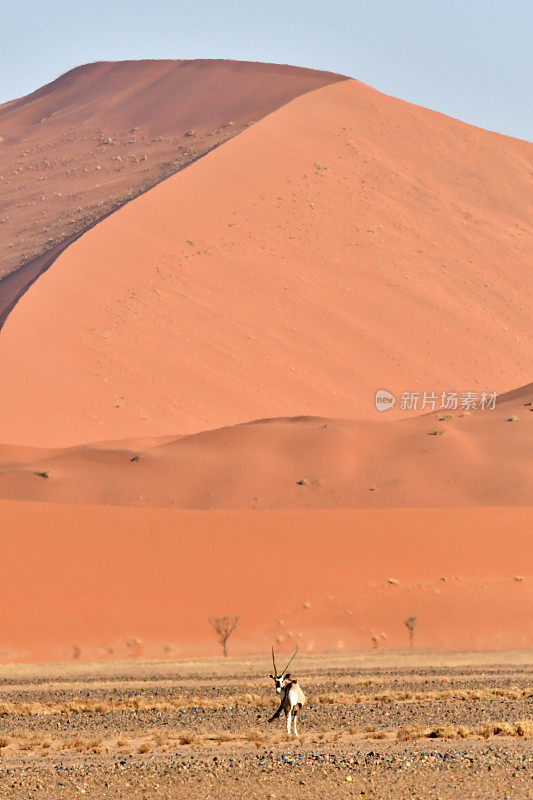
x=213, y=750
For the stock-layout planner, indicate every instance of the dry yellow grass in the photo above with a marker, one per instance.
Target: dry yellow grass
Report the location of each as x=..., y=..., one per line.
x=251, y=699
x=405, y=696
x=522, y=728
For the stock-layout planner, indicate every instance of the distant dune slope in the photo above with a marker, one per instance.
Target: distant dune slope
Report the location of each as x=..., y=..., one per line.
x=347, y=242
x=100, y=576
x=102, y=133
x=445, y=459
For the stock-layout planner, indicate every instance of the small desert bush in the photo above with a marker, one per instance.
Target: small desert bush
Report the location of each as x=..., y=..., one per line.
x=257, y=736
x=522, y=728
x=187, y=738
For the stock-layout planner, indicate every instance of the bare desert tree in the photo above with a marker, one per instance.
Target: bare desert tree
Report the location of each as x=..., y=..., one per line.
x=410, y=624
x=224, y=627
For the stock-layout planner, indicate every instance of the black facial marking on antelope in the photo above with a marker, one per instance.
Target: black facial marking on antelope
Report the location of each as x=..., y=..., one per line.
x=292, y=697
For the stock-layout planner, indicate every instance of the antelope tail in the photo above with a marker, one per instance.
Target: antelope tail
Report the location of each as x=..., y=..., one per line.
x=277, y=713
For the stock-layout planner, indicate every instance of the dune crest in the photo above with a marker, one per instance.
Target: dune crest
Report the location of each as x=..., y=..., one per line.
x=441, y=459
x=79, y=147
x=345, y=243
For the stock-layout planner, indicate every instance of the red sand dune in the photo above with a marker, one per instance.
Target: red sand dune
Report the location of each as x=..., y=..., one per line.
x=480, y=458
x=346, y=242
x=102, y=133
x=101, y=575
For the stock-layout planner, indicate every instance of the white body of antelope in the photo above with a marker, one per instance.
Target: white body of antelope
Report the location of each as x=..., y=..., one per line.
x=292, y=697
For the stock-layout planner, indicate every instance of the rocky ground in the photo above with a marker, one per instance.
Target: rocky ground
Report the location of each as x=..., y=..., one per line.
x=192, y=731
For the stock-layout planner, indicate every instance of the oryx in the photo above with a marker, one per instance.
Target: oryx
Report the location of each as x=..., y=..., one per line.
x=292, y=697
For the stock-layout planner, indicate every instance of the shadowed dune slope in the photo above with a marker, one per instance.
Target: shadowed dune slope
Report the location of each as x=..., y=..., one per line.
x=347, y=242
x=441, y=459
x=126, y=572
x=103, y=133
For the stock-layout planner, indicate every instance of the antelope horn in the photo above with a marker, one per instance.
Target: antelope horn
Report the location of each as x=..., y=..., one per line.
x=274, y=661
x=290, y=662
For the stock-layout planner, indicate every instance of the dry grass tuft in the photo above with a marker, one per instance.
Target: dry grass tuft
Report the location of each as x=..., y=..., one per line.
x=122, y=742
x=522, y=728
x=257, y=737
x=187, y=738
x=220, y=738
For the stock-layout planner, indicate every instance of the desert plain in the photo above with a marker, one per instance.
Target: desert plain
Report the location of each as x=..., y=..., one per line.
x=381, y=725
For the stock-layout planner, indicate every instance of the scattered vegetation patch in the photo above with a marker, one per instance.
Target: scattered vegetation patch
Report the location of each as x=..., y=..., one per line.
x=409, y=733
x=260, y=700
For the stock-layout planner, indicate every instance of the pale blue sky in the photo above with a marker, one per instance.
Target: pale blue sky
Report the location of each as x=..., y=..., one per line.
x=467, y=58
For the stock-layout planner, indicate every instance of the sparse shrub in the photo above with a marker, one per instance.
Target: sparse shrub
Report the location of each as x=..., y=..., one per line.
x=410, y=624
x=524, y=727
x=224, y=627
x=187, y=738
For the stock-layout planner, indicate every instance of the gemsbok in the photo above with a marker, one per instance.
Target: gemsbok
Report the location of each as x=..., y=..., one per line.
x=292, y=697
